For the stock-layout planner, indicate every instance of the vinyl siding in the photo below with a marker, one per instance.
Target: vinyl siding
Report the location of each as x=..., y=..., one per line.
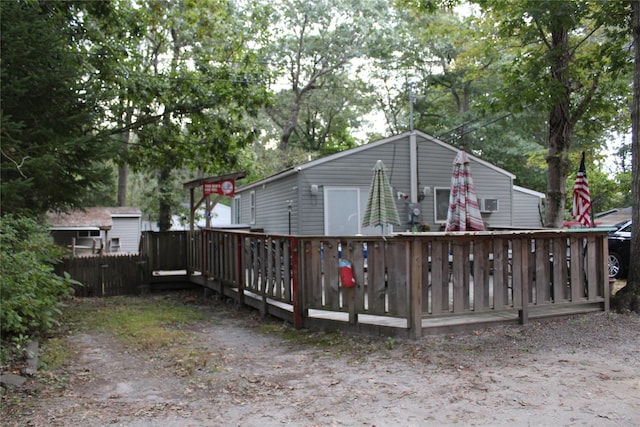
x=354, y=169
x=435, y=165
x=526, y=209
x=127, y=229
x=272, y=212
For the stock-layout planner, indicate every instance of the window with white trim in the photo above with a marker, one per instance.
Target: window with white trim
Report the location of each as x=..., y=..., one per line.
x=441, y=204
x=236, y=210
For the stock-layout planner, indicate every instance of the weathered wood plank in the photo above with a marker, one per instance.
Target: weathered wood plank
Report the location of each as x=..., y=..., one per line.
x=500, y=273
x=592, y=269
x=560, y=271
x=398, y=267
x=577, y=268
x=416, y=293
x=355, y=296
x=377, y=282
x=315, y=277
x=439, y=277
x=481, y=275
x=331, y=264
x=542, y=271
x=519, y=272
x=460, y=279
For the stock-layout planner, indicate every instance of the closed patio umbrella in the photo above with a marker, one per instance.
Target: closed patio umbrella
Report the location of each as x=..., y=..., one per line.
x=464, y=213
x=381, y=208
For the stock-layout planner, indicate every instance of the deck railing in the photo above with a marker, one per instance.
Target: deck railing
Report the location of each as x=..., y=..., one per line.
x=402, y=281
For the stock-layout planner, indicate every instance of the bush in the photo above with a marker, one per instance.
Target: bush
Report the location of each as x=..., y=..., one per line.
x=30, y=292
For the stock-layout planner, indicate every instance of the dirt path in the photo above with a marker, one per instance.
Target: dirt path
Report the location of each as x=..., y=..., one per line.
x=582, y=371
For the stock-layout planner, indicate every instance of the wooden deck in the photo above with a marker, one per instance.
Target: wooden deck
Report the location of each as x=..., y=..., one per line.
x=406, y=286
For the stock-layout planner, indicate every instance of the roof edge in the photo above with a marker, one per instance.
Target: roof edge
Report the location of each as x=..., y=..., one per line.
x=530, y=191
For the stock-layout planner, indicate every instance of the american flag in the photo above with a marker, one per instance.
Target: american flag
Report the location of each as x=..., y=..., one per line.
x=581, y=197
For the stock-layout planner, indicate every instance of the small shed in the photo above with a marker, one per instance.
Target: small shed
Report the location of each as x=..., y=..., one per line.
x=97, y=230
x=328, y=196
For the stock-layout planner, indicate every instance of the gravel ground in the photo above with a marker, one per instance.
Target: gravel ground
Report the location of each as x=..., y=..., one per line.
x=581, y=370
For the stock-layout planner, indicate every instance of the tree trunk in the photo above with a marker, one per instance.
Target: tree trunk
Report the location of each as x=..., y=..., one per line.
x=123, y=178
x=557, y=165
x=560, y=130
x=290, y=125
x=164, y=205
x=628, y=298
x=123, y=166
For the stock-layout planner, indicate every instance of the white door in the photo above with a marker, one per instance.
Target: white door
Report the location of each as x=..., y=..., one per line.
x=342, y=215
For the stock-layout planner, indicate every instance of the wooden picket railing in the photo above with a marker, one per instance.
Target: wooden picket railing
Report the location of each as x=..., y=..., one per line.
x=405, y=284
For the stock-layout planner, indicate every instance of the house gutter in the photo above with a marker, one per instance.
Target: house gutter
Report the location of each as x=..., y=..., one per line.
x=413, y=150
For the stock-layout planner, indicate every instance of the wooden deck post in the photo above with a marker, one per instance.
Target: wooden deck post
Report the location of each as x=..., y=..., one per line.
x=240, y=268
x=604, y=275
x=523, y=248
x=350, y=295
x=414, y=249
x=297, y=296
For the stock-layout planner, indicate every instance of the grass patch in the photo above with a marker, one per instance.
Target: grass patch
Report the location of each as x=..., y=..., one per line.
x=146, y=324
x=141, y=324
x=54, y=353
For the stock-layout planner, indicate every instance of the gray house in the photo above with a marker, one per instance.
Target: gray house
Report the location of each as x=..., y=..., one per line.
x=328, y=196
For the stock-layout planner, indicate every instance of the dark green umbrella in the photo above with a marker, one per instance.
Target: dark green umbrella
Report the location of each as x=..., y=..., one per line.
x=381, y=207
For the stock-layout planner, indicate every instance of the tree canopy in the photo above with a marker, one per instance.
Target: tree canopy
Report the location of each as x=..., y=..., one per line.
x=50, y=160
x=171, y=89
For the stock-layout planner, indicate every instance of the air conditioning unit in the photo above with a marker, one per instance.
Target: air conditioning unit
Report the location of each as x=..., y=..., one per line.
x=488, y=205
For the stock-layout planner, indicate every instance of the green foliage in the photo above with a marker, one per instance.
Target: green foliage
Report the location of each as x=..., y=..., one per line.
x=607, y=191
x=319, y=48
x=31, y=293
x=49, y=158
x=192, y=80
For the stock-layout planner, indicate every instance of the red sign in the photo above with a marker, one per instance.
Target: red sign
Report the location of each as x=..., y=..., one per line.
x=225, y=188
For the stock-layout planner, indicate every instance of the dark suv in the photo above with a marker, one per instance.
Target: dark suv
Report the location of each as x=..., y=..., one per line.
x=619, y=248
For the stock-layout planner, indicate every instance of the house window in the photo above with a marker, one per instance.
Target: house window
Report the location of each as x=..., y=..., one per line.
x=441, y=204
x=236, y=210
x=252, y=202
x=88, y=233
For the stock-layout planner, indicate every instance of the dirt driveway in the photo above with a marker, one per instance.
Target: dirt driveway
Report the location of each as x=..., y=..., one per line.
x=582, y=371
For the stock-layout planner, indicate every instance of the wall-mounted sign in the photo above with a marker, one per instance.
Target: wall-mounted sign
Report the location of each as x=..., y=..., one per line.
x=225, y=188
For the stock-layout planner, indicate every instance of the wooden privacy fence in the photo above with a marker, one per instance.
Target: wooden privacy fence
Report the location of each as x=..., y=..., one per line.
x=405, y=284
x=107, y=275
x=165, y=250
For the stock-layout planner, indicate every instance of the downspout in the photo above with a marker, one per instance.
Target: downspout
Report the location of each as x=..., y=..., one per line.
x=413, y=166
x=413, y=151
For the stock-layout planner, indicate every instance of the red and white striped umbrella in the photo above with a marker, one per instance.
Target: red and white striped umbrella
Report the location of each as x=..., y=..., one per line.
x=464, y=213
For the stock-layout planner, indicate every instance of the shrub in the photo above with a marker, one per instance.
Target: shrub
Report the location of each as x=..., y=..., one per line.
x=30, y=292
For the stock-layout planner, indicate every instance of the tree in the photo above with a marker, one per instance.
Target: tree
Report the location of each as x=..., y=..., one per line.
x=192, y=81
x=315, y=44
x=570, y=55
x=120, y=74
x=628, y=298
x=50, y=159
x=455, y=62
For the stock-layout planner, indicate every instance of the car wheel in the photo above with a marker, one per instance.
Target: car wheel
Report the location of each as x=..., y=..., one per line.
x=615, y=265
